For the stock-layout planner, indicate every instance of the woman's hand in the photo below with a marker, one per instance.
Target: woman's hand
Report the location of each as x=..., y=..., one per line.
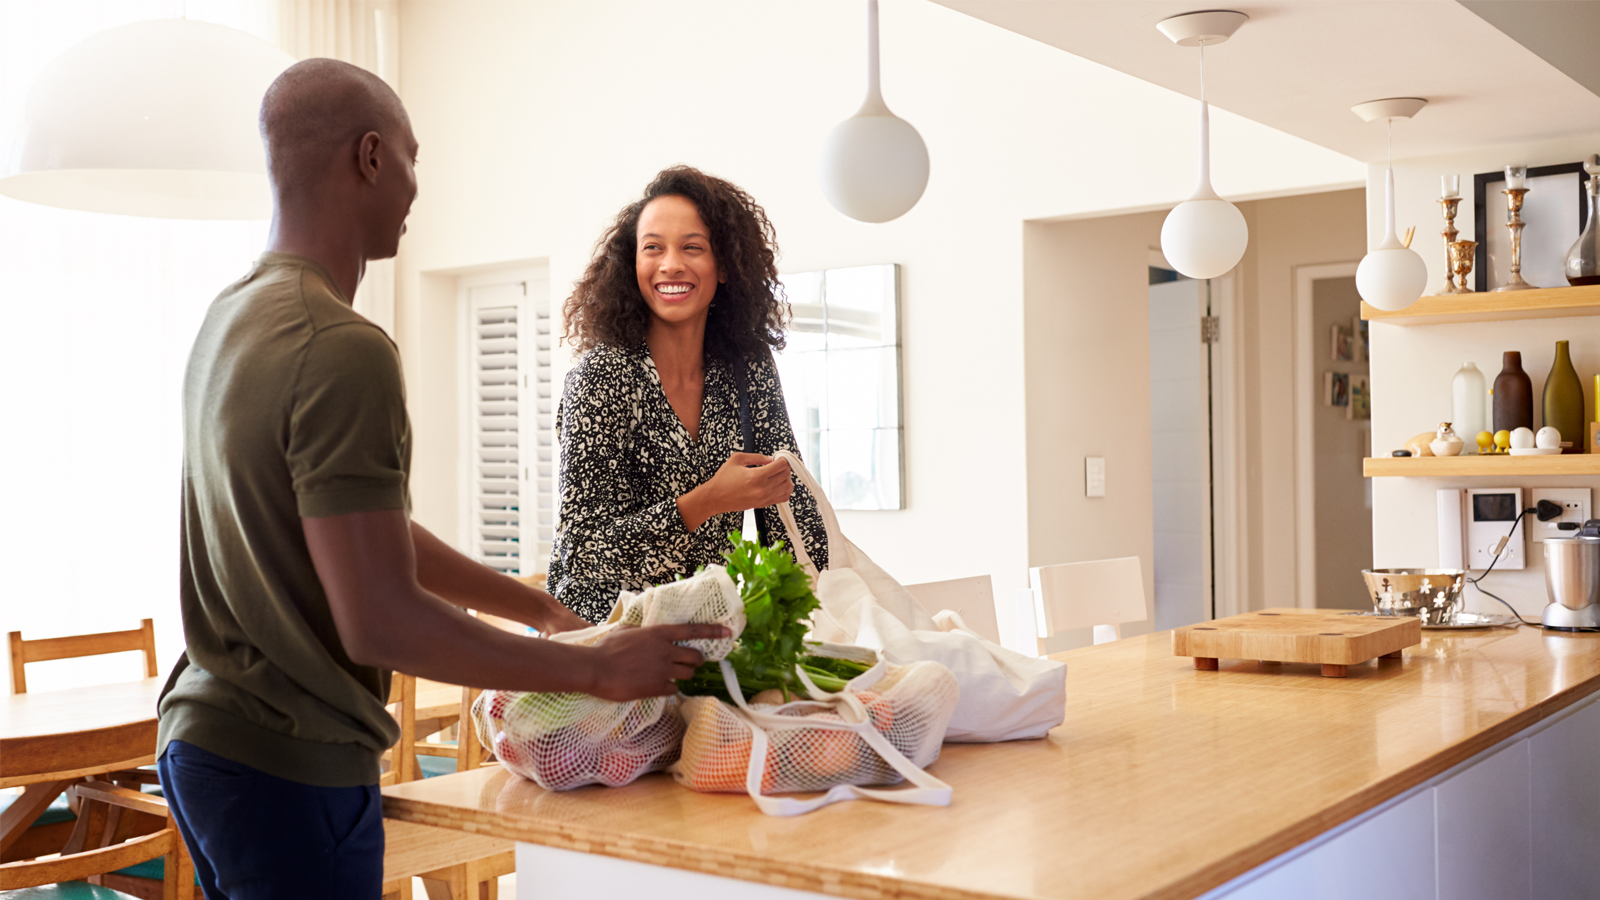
x=745, y=481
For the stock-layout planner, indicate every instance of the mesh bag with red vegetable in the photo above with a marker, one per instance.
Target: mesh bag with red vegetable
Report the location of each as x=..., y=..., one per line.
x=880, y=729
x=567, y=740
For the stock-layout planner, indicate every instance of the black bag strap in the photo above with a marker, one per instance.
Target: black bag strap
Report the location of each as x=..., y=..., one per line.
x=747, y=430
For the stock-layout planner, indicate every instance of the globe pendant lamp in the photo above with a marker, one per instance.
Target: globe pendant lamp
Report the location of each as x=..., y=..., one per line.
x=1204, y=236
x=151, y=119
x=874, y=165
x=1391, y=276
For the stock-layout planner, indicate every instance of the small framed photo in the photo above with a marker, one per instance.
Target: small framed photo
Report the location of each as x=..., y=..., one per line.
x=1553, y=214
x=1344, y=344
x=1360, y=398
x=1363, y=341
x=1336, y=389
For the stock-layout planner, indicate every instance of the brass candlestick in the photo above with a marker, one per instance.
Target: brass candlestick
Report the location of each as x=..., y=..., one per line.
x=1461, y=257
x=1514, y=223
x=1448, y=205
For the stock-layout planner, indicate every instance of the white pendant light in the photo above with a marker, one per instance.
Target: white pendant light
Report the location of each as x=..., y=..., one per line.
x=874, y=164
x=150, y=119
x=1204, y=236
x=1391, y=276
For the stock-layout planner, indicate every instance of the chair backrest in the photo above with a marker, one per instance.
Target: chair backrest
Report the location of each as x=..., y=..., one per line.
x=971, y=598
x=1102, y=594
x=73, y=646
x=101, y=844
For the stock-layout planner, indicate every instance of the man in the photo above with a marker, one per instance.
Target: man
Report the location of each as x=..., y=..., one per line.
x=303, y=578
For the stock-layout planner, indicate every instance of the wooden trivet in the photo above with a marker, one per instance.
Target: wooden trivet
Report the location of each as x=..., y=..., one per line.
x=1330, y=638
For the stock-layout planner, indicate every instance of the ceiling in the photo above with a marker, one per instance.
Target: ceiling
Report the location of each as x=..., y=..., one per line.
x=1299, y=65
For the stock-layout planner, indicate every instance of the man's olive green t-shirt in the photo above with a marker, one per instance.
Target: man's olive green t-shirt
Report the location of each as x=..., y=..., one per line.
x=293, y=406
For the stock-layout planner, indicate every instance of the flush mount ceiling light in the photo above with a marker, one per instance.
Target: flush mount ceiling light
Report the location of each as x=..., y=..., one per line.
x=1204, y=236
x=874, y=164
x=1391, y=276
x=151, y=119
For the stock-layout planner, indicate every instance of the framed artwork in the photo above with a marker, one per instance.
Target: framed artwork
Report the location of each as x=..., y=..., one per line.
x=1344, y=344
x=1554, y=212
x=841, y=382
x=1363, y=340
x=1336, y=389
x=1360, y=398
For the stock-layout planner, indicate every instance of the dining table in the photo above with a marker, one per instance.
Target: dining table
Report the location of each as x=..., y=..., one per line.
x=50, y=740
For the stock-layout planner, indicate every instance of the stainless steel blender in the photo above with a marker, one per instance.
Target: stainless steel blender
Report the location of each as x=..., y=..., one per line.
x=1572, y=578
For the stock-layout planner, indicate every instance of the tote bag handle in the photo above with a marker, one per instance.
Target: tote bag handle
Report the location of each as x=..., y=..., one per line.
x=839, y=553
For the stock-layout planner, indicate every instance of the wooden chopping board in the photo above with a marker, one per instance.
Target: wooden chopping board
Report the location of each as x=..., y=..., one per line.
x=1332, y=638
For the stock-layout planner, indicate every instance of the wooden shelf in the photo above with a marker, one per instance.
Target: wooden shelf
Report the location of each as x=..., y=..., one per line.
x=1476, y=466
x=1541, y=303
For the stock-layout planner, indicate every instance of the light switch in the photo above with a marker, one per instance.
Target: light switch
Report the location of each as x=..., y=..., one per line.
x=1094, y=476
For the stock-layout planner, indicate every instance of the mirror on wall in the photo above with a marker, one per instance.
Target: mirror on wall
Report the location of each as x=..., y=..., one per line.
x=841, y=382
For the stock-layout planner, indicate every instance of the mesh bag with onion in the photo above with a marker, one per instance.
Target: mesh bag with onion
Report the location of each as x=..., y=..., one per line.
x=567, y=740
x=883, y=727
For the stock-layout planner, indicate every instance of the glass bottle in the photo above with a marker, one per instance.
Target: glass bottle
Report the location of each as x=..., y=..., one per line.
x=1513, y=394
x=1583, y=260
x=1563, y=401
x=1468, y=390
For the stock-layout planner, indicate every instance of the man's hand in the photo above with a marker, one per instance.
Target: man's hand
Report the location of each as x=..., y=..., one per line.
x=644, y=662
x=564, y=619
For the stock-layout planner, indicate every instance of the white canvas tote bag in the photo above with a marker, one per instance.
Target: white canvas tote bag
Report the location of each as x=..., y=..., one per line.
x=1005, y=695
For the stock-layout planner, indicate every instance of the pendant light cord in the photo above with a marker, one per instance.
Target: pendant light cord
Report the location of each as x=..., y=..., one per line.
x=1202, y=71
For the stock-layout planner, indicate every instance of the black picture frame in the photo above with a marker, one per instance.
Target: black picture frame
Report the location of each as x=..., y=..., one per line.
x=1480, y=221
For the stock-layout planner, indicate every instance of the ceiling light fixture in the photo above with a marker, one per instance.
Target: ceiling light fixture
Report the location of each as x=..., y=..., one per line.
x=874, y=164
x=151, y=119
x=1391, y=276
x=1204, y=236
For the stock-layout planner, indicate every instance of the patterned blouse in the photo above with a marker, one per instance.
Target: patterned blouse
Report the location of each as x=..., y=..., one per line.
x=626, y=459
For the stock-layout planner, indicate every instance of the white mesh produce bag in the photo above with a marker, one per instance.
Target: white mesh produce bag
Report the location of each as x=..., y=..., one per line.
x=567, y=740
x=881, y=729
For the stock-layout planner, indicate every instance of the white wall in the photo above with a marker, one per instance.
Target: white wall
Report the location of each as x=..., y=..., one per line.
x=1412, y=366
x=539, y=120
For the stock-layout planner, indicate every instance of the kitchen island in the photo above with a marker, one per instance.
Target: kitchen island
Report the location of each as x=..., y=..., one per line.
x=1466, y=769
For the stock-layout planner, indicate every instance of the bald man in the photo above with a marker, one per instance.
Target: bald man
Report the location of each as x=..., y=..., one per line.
x=304, y=581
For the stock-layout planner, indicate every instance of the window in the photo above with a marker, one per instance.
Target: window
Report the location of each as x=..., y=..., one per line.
x=841, y=382
x=509, y=488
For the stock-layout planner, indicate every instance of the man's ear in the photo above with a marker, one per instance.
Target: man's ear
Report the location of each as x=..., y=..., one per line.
x=367, y=156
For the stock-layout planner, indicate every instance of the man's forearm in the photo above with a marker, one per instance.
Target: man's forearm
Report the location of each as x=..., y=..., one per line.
x=465, y=582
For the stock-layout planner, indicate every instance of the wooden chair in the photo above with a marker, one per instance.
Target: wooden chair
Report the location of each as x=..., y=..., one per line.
x=1103, y=594
x=970, y=598
x=448, y=863
x=51, y=831
x=117, y=827
x=73, y=646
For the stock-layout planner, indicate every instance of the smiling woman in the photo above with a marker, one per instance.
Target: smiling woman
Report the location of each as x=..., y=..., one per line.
x=668, y=422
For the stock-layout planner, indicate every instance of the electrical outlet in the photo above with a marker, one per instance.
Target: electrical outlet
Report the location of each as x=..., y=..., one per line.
x=1574, y=512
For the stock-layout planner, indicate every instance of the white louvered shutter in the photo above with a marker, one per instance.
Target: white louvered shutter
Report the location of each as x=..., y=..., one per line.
x=511, y=418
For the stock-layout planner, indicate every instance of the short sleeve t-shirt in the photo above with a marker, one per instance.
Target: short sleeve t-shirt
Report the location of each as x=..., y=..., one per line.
x=293, y=405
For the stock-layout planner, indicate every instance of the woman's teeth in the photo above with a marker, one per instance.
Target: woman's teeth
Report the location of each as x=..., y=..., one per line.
x=673, y=288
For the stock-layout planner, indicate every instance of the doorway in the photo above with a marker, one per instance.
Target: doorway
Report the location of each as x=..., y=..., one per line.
x=1182, y=332
x=1333, y=500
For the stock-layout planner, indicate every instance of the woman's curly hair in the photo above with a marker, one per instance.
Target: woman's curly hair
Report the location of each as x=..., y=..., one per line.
x=749, y=312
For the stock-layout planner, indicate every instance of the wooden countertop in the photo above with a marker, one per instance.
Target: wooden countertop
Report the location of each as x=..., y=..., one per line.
x=1163, y=782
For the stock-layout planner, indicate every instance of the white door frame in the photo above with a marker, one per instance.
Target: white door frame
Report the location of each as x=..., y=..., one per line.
x=1305, y=401
x=1227, y=440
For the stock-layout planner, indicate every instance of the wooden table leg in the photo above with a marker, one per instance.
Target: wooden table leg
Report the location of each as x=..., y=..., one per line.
x=1205, y=663
x=1395, y=655
x=19, y=816
x=1332, y=671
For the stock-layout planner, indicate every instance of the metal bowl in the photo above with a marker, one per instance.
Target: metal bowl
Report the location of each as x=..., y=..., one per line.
x=1434, y=595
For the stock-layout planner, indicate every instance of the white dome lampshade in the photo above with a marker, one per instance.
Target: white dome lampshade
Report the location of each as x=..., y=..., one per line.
x=1391, y=276
x=151, y=119
x=1204, y=236
x=874, y=165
